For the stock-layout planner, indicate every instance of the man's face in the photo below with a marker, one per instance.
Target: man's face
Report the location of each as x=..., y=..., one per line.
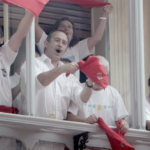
x=67, y=27
x=57, y=46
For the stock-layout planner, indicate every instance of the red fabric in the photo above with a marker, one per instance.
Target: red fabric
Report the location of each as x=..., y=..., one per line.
x=6, y=109
x=93, y=70
x=85, y=3
x=117, y=141
x=34, y=6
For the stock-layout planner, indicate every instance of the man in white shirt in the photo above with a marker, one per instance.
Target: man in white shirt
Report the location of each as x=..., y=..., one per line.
x=147, y=103
x=105, y=103
x=54, y=90
x=8, y=53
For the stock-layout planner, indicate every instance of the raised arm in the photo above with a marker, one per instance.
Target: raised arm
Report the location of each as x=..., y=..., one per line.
x=38, y=31
x=46, y=78
x=92, y=41
x=24, y=26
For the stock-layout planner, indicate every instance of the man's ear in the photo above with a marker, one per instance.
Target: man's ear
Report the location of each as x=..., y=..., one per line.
x=1, y=40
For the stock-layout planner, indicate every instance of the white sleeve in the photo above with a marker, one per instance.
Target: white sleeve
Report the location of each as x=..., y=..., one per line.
x=40, y=45
x=83, y=49
x=73, y=108
x=8, y=54
x=76, y=89
x=120, y=110
x=38, y=70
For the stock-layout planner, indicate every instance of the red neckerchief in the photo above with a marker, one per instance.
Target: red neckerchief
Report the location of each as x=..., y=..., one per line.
x=6, y=109
x=34, y=6
x=116, y=140
x=94, y=70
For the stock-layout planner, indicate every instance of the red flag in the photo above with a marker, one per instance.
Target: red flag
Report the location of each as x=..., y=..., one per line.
x=6, y=109
x=34, y=6
x=117, y=141
x=85, y=3
x=94, y=70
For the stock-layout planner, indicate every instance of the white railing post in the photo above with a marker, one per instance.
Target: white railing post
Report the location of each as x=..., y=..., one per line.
x=137, y=70
x=30, y=72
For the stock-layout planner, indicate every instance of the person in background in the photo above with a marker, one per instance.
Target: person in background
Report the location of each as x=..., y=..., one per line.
x=8, y=53
x=76, y=50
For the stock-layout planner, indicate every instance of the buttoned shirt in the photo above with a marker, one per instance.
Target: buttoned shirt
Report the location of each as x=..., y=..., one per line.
x=7, y=56
x=73, y=54
x=53, y=100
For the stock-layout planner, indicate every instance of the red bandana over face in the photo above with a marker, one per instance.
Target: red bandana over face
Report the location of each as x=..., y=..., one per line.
x=116, y=140
x=6, y=109
x=94, y=70
x=34, y=6
x=85, y=3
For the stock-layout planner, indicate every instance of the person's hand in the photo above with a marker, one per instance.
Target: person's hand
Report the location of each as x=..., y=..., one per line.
x=107, y=10
x=92, y=119
x=124, y=127
x=70, y=67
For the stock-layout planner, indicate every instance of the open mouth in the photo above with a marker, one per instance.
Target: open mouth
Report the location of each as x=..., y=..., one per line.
x=58, y=50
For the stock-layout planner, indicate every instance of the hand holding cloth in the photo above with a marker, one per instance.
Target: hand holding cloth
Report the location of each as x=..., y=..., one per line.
x=94, y=70
x=116, y=140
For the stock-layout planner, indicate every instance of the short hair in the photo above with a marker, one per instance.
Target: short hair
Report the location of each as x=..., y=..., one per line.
x=104, y=62
x=75, y=38
x=1, y=31
x=149, y=81
x=51, y=33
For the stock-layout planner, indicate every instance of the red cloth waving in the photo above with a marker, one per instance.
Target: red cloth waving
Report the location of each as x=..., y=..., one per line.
x=117, y=141
x=34, y=6
x=85, y=3
x=6, y=109
x=93, y=70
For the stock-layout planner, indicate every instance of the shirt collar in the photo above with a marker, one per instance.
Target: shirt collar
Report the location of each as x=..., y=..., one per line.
x=45, y=58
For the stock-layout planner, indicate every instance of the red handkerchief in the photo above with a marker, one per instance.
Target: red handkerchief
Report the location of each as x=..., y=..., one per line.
x=85, y=3
x=93, y=70
x=34, y=6
x=6, y=109
x=117, y=142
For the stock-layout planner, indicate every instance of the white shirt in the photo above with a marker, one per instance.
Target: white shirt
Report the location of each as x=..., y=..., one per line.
x=55, y=98
x=106, y=104
x=7, y=56
x=14, y=80
x=147, y=104
x=49, y=146
x=74, y=54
